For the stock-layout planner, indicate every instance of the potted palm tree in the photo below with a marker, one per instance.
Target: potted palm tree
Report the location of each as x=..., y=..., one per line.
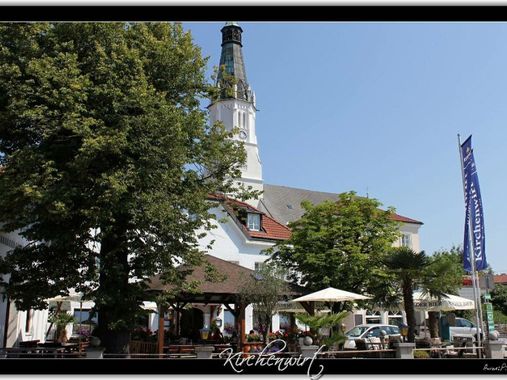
x=61, y=319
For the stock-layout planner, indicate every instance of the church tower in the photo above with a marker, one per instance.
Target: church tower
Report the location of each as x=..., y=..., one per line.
x=235, y=106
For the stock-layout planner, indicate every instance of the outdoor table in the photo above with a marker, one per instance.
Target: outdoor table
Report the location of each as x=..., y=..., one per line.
x=180, y=349
x=56, y=352
x=55, y=349
x=181, y=356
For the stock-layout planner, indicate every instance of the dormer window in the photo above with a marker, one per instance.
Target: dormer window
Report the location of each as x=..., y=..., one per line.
x=253, y=222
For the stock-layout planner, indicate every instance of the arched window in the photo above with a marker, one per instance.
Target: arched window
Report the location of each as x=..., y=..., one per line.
x=239, y=119
x=244, y=120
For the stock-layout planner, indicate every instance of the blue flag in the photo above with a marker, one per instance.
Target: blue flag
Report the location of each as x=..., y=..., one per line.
x=474, y=216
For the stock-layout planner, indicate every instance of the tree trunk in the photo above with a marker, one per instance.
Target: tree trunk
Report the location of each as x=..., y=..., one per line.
x=408, y=299
x=433, y=323
x=267, y=330
x=114, y=302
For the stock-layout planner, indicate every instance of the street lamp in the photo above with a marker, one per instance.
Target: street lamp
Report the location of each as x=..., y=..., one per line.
x=404, y=331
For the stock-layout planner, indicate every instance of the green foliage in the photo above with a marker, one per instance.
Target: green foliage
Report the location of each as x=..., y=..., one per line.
x=329, y=320
x=264, y=289
x=467, y=314
x=409, y=268
x=499, y=298
x=336, y=338
x=61, y=319
x=407, y=265
x=322, y=320
x=340, y=244
x=107, y=158
x=226, y=84
x=421, y=355
x=499, y=316
x=253, y=338
x=444, y=273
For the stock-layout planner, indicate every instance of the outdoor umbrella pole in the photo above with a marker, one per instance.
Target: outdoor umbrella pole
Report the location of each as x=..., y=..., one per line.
x=80, y=316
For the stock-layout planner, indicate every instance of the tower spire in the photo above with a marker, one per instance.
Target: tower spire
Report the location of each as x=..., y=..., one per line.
x=232, y=62
x=235, y=105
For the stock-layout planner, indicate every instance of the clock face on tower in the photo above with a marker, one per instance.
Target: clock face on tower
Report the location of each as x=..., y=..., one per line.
x=242, y=135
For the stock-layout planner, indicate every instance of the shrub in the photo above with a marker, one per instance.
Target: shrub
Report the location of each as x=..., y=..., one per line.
x=421, y=355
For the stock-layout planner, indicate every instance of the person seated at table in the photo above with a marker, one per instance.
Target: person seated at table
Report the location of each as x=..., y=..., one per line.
x=217, y=335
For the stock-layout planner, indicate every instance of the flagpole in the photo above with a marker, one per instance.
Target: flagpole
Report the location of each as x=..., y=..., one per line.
x=475, y=287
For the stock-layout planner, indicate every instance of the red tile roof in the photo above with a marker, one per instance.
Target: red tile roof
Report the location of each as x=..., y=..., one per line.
x=500, y=278
x=404, y=219
x=270, y=228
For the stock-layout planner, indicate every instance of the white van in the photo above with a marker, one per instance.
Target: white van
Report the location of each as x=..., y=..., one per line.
x=462, y=327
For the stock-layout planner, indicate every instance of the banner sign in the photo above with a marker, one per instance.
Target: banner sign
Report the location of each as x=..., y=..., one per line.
x=474, y=212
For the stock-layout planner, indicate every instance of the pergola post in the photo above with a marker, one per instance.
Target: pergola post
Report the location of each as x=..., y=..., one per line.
x=161, y=312
x=292, y=320
x=240, y=323
x=177, y=312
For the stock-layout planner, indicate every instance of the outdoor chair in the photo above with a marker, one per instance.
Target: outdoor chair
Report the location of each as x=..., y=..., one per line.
x=393, y=340
x=361, y=345
x=422, y=343
x=465, y=342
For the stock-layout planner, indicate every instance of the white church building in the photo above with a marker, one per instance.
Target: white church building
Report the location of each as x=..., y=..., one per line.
x=264, y=223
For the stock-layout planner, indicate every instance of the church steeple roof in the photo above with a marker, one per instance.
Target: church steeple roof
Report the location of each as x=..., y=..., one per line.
x=231, y=60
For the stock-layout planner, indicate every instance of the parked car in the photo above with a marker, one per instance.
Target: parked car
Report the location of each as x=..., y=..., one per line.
x=463, y=327
x=366, y=331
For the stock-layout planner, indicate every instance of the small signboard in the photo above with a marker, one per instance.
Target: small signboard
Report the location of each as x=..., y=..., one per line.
x=489, y=314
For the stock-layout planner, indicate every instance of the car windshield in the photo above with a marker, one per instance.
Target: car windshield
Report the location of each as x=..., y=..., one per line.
x=356, y=331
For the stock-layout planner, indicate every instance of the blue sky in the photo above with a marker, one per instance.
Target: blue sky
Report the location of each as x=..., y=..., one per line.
x=377, y=107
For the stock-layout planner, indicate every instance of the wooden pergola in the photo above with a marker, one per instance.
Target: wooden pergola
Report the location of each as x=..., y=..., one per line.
x=225, y=292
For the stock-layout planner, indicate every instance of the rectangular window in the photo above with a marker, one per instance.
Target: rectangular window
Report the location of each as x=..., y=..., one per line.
x=258, y=265
x=83, y=316
x=254, y=222
x=406, y=240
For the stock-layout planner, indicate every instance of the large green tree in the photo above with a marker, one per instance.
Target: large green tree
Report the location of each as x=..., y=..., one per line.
x=341, y=244
x=107, y=161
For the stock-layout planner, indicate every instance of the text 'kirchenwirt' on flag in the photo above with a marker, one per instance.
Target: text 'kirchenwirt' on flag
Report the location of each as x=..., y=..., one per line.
x=474, y=218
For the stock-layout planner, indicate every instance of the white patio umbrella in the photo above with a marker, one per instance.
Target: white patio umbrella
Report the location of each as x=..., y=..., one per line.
x=72, y=296
x=424, y=302
x=150, y=306
x=291, y=307
x=331, y=295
